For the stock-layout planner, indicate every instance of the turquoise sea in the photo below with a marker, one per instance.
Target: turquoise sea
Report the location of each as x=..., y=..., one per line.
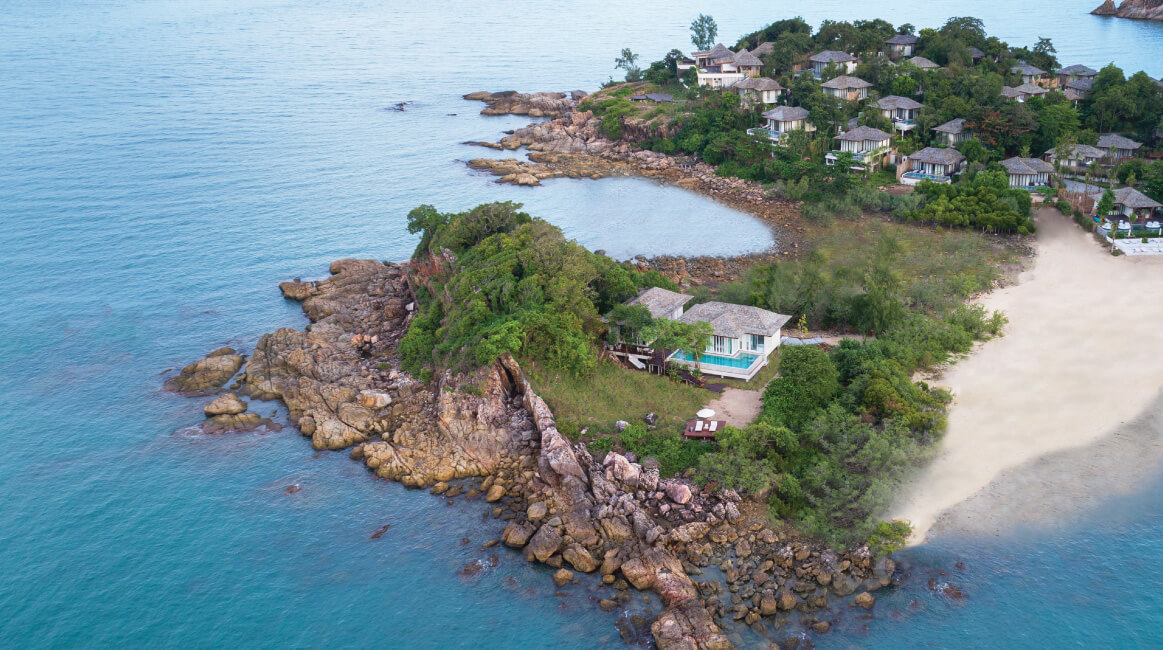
x=163, y=165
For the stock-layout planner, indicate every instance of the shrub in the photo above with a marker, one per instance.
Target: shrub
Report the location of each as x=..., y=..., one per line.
x=599, y=447
x=736, y=470
x=807, y=380
x=673, y=452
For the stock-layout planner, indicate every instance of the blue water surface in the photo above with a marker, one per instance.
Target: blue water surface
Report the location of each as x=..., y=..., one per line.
x=163, y=165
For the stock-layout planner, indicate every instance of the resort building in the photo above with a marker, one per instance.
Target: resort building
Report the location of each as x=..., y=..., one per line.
x=901, y=111
x=845, y=62
x=1023, y=92
x=748, y=64
x=1074, y=73
x=783, y=120
x=976, y=53
x=953, y=132
x=652, y=97
x=1077, y=158
x=1117, y=147
x=1029, y=74
x=761, y=90
x=763, y=49
x=870, y=147
x=742, y=339
x=932, y=164
x=923, y=63
x=852, y=89
x=719, y=67
x=1135, y=212
x=901, y=45
x=1028, y=173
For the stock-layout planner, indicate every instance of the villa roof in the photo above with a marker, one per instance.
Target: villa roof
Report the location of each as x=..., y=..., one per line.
x=766, y=47
x=1083, y=84
x=720, y=51
x=1027, y=69
x=902, y=39
x=1027, y=166
x=1014, y=92
x=654, y=97
x=864, y=133
x=1131, y=198
x=976, y=53
x=1078, y=70
x=660, y=302
x=845, y=82
x=938, y=156
x=898, y=102
x=1072, y=94
x=787, y=114
x=923, y=63
x=1116, y=141
x=952, y=126
x=735, y=320
x=1080, y=151
x=831, y=56
x=757, y=83
x=746, y=58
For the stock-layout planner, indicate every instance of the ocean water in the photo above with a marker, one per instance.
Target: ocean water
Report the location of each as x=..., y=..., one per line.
x=163, y=165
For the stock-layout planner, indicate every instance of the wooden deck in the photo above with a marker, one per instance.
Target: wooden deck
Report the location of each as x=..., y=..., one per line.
x=703, y=429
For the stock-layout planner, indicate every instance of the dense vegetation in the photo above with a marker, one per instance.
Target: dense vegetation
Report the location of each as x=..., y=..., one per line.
x=508, y=283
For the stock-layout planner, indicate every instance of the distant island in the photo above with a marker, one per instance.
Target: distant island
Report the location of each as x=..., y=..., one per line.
x=1136, y=9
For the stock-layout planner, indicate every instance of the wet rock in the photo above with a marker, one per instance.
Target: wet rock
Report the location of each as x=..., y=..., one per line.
x=228, y=404
x=494, y=494
x=562, y=577
x=374, y=399
x=207, y=374
x=517, y=535
x=537, y=511
x=865, y=600
x=545, y=542
x=579, y=558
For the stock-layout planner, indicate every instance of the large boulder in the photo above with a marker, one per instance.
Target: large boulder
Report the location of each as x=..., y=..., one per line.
x=228, y=404
x=579, y=558
x=680, y=493
x=545, y=542
x=517, y=535
x=207, y=374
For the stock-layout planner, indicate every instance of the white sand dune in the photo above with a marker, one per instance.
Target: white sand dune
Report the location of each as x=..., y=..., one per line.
x=1082, y=355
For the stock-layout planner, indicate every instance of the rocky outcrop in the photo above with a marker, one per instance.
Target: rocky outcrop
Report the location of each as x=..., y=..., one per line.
x=1136, y=9
x=341, y=383
x=208, y=374
x=511, y=102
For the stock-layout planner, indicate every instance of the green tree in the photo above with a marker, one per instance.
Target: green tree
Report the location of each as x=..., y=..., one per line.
x=628, y=61
x=703, y=32
x=807, y=381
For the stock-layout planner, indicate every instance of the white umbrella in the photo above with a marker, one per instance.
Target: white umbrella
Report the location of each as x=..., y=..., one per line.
x=706, y=413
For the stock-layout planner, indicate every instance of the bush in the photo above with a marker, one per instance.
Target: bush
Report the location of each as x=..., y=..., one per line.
x=736, y=470
x=599, y=447
x=807, y=380
x=673, y=452
x=889, y=537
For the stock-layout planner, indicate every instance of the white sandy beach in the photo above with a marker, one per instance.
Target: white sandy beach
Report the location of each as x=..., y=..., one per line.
x=1081, y=356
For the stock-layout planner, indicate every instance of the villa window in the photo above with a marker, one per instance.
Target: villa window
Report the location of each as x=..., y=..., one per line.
x=755, y=342
x=721, y=345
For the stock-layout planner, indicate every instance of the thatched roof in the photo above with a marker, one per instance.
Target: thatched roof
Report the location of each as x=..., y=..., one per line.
x=1027, y=166
x=902, y=39
x=1027, y=69
x=893, y=102
x=952, y=127
x=831, y=56
x=1116, y=141
x=787, y=114
x=864, y=133
x=1078, y=71
x=1131, y=198
x=746, y=58
x=844, y=82
x=757, y=83
x=923, y=63
x=938, y=156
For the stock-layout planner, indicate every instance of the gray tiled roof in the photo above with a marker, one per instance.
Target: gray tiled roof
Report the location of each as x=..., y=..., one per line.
x=1027, y=166
x=746, y=58
x=831, y=56
x=735, y=320
x=1078, y=70
x=720, y=51
x=863, y=133
x=787, y=114
x=1116, y=141
x=757, y=83
x=938, y=156
x=1027, y=69
x=845, y=82
x=952, y=126
x=923, y=63
x=976, y=53
x=902, y=39
x=660, y=302
x=1083, y=84
x=895, y=101
x=767, y=47
x=1131, y=198
x=1080, y=151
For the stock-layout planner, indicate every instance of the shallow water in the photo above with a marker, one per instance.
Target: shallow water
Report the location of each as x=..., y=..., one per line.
x=165, y=164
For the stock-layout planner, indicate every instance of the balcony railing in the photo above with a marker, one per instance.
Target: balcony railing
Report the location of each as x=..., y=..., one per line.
x=770, y=134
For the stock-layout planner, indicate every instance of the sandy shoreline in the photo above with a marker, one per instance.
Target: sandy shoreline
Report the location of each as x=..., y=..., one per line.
x=1080, y=358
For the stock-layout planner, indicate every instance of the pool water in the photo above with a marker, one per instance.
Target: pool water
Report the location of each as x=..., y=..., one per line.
x=743, y=361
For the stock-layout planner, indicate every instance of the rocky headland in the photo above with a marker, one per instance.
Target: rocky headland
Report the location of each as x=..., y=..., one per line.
x=487, y=435
x=1136, y=9
x=511, y=102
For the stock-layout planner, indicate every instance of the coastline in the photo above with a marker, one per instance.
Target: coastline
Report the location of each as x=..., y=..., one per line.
x=1073, y=360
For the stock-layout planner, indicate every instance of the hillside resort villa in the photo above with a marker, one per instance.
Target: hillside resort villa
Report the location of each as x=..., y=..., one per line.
x=742, y=338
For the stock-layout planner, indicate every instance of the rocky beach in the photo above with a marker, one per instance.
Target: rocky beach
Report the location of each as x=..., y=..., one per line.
x=488, y=436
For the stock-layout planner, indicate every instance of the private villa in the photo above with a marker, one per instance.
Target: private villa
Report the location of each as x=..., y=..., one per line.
x=902, y=111
x=1030, y=74
x=933, y=164
x=719, y=67
x=1117, y=147
x=845, y=62
x=1023, y=92
x=1077, y=158
x=923, y=63
x=1074, y=73
x=758, y=89
x=870, y=147
x=1133, y=209
x=953, y=132
x=783, y=120
x=901, y=45
x=853, y=89
x=1028, y=173
x=741, y=341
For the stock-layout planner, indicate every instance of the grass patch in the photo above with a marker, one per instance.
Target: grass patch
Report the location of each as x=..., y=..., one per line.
x=611, y=393
x=761, y=378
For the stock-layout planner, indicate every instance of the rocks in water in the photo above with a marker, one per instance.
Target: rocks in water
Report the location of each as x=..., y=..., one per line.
x=562, y=577
x=545, y=542
x=579, y=558
x=1107, y=8
x=537, y=511
x=1136, y=9
x=237, y=423
x=207, y=374
x=228, y=404
x=494, y=494
x=517, y=535
x=865, y=600
x=380, y=531
x=511, y=102
x=298, y=290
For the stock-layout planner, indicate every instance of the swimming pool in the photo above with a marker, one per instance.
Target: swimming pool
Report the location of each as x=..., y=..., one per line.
x=743, y=361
